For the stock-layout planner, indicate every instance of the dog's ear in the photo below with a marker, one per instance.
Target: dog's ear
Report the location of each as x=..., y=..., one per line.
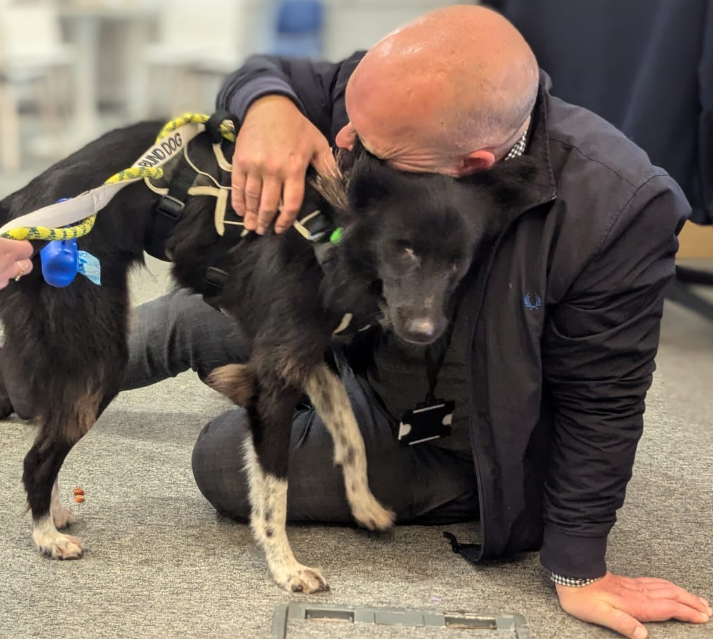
x=503, y=183
x=333, y=189
x=369, y=181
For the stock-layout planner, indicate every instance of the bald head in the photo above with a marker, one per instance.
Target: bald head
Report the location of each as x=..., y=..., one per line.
x=455, y=82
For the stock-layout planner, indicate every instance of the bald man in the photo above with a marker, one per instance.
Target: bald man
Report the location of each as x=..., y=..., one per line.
x=553, y=342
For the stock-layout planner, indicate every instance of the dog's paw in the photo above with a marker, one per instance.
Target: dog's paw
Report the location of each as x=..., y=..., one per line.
x=58, y=546
x=62, y=517
x=302, y=579
x=370, y=513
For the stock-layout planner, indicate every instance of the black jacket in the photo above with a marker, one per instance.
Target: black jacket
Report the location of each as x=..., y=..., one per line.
x=566, y=321
x=646, y=66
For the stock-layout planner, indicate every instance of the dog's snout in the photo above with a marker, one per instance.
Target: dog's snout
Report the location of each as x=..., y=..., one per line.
x=421, y=326
x=423, y=330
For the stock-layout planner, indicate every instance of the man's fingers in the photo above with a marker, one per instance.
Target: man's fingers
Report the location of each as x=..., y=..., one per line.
x=253, y=189
x=665, y=609
x=324, y=162
x=269, y=201
x=15, y=271
x=24, y=250
x=610, y=617
x=663, y=589
x=674, y=593
x=291, y=202
x=21, y=268
x=27, y=264
x=624, y=624
x=237, y=196
x=647, y=580
x=709, y=610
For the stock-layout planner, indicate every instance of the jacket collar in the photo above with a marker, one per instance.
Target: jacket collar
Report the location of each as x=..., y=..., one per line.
x=540, y=186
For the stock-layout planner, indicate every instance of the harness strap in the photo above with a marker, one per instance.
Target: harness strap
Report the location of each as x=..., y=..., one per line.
x=220, y=157
x=169, y=209
x=214, y=280
x=230, y=230
x=313, y=226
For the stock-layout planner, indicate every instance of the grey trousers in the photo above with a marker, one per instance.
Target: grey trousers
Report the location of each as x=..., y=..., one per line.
x=422, y=484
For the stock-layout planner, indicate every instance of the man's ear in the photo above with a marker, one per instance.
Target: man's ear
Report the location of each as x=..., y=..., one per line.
x=474, y=162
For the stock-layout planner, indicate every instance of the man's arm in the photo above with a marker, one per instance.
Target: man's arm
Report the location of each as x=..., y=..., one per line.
x=287, y=108
x=314, y=87
x=598, y=360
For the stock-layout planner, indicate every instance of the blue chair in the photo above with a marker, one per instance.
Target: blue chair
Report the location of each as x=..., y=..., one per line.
x=299, y=28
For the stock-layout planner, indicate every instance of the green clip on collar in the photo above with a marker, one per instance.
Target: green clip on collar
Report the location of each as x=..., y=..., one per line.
x=336, y=235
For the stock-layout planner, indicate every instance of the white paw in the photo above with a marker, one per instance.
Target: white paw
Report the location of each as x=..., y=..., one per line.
x=62, y=517
x=370, y=513
x=58, y=546
x=299, y=578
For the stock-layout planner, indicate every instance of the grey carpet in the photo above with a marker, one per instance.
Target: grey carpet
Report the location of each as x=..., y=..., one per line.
x=161, y=563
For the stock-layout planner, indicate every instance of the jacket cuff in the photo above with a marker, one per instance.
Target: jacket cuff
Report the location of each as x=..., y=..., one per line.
x=570, y=556
x=258, y=88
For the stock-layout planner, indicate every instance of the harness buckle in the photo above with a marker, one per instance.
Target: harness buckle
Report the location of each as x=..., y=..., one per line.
x=314, y=227
x=171, y=207
x=214, y=280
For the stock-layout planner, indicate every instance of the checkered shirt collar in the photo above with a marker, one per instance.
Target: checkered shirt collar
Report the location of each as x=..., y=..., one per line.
x=519, y=148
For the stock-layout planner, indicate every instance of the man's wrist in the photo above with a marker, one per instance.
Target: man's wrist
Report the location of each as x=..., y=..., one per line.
x=259, y=88
x=572, y=582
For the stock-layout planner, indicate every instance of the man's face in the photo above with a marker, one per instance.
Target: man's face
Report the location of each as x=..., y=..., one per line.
x=407, y=128
x=388, y=129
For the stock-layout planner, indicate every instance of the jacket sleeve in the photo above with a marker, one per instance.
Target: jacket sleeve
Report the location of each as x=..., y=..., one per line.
x=598, y=360
x=314, y=87
x=704, y=213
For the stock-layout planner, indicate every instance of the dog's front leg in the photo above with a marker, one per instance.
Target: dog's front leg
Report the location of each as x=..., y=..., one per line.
x=330, y=399
x=267, y=453
x=268, y=498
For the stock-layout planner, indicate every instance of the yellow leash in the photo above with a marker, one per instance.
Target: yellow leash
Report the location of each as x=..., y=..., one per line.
x=131, y=174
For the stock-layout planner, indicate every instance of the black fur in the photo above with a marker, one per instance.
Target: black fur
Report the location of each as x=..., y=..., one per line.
x=408, y=241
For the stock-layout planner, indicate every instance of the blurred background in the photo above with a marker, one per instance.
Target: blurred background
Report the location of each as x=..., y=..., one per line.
x=72, y=69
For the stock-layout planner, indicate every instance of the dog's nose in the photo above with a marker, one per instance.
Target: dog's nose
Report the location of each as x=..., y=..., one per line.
x=423, y=330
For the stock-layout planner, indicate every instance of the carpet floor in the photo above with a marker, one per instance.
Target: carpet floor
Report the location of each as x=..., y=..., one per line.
x=161, y=563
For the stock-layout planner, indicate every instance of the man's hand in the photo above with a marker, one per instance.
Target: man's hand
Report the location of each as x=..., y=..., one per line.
x=622, y=604
x=14, y=260
x=275, y=145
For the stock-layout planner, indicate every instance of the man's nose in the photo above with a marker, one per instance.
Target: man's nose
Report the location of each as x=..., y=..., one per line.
x=346, y=137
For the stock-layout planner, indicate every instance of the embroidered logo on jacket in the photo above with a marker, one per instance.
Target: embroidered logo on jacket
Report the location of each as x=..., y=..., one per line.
x=532, y=302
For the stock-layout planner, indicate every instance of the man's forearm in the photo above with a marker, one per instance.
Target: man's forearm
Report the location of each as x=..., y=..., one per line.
x=258, y=77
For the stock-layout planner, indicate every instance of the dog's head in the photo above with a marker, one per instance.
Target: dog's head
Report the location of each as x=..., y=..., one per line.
x=414, y=234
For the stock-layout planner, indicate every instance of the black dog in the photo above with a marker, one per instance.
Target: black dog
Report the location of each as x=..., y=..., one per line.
x=406, y=243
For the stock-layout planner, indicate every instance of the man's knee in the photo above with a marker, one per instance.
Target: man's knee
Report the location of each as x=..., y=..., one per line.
x=218, y=464
x=178, y=332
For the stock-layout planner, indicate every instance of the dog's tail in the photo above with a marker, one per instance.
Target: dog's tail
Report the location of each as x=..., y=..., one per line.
x=235, y=381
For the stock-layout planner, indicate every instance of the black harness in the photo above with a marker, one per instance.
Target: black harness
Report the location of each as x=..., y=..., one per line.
x=167, y=213
x=169, y=209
